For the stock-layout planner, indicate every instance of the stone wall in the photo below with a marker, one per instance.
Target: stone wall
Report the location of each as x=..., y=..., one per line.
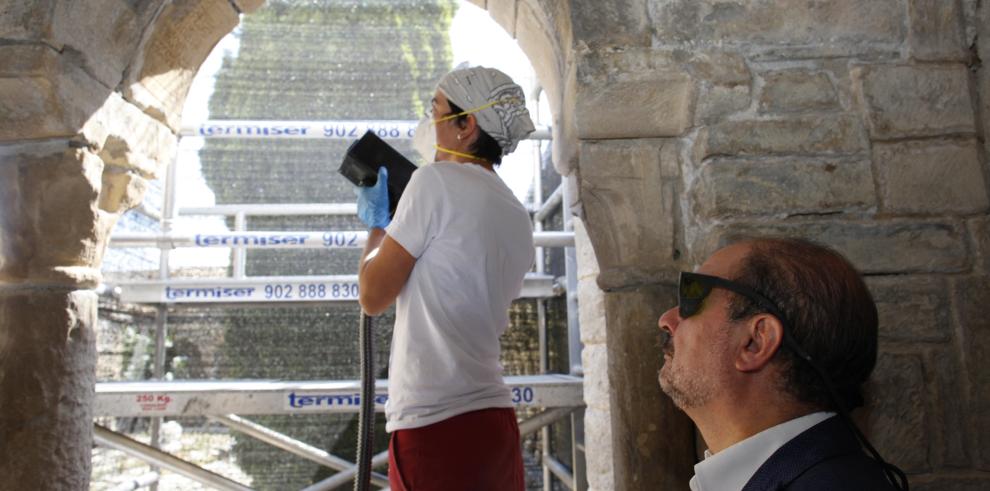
x=857, y=124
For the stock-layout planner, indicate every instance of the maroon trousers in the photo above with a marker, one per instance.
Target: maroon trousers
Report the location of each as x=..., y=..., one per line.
x=476, y=451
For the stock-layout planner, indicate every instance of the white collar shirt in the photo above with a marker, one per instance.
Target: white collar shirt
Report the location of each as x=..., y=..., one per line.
x=734, y=466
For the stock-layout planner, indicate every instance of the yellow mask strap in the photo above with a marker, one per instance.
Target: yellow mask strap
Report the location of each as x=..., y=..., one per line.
x=469, y=111
x=459, y=154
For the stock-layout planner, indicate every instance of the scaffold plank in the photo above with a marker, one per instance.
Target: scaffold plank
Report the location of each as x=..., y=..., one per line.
x=243, y=397
x=321, y=239
x=273, y=289
x=321, y=130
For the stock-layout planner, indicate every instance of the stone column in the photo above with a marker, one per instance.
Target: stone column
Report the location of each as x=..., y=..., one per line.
x=628, y=190
x=49, y=226
x=47, y=372
x=630, y=108
x=51, y=239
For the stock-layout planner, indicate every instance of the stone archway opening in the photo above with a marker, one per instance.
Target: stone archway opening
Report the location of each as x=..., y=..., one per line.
x=152, y=104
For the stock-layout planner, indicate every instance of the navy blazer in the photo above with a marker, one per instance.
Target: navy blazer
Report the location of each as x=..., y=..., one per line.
x=825, y=457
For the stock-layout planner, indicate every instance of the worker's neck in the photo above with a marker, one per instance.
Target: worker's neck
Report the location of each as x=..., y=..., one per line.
x=725, y=422
x=460, y=159
x=483, y=164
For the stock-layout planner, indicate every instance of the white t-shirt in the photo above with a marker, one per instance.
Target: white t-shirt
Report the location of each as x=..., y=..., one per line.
x=473, y=244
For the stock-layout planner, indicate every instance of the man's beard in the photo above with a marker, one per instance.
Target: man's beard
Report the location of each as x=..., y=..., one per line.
x=687, y=391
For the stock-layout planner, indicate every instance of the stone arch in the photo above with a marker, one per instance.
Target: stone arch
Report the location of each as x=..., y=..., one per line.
x=89, y=104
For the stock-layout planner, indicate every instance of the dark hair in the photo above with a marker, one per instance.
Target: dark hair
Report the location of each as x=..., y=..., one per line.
x=831, y=314
x=485, y=146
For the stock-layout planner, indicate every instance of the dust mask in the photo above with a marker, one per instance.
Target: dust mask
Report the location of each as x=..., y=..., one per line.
x=425, y=140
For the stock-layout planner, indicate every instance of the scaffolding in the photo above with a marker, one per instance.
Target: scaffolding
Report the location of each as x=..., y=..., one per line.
x=559, y=396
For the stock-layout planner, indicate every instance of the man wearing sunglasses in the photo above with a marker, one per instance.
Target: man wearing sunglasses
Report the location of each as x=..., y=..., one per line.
x=766, y=352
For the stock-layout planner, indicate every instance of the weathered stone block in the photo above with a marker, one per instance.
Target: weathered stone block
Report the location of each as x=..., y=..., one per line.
x=653, y=440
x=912, y=308
x=635, y=109
x=504, y=13
x=974, y=318
x=948, y=483
x=185, y=33
x=104, y=43
x=895, y=411
x=248, y=6
x=27, y=60
x=721, y=68
x=718, y=101
x=25, y=21
x=947, y=174
x=591, y=306
x=541, y=40
x=598, y=442
x=979, y=230
x=904, y=101
x=125, y=136
x=734, y=187
x=51, y=227
x=797, y=91
x=983, y=75
x=937, y=31
x=26, y=102
x=565, y=145
x=587, y=264
x=951, y=417
x=47, y=374
x=596, y=385
x=43, y=94
x=98, y=36
x=894, y=246
x=121, y=190
x=725, y=68
x=629, y=211
x=820, y=135
x=633, y=93
x=626, y=20
x=838, y=26
x=839, y=71
x=726, y=83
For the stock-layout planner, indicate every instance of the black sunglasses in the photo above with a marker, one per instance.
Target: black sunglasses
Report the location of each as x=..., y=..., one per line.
x=695, y=287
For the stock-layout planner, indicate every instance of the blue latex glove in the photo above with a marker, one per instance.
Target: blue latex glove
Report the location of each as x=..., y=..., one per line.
x=372, y=202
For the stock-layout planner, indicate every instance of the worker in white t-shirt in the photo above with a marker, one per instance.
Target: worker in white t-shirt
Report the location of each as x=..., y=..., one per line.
x=453, y=258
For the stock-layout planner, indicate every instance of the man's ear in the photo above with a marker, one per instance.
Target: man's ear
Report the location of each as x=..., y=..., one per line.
x=764, y=336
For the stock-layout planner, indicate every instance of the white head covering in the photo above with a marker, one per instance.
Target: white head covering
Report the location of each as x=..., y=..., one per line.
x=502, y=103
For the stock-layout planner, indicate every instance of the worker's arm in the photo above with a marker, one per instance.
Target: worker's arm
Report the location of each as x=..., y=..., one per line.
x=385, y=267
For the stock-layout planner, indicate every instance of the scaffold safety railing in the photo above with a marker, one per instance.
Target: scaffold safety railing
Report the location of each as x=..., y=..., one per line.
x=546, y=398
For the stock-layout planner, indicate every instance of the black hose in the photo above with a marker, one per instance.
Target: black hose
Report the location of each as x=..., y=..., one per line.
x=366, y=416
